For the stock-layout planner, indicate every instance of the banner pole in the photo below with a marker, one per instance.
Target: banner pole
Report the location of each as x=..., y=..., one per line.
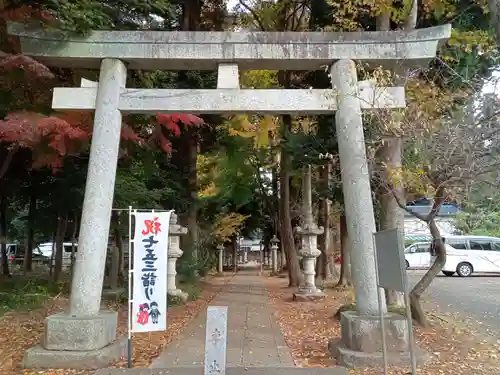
x=380, y=310
x=130, y=300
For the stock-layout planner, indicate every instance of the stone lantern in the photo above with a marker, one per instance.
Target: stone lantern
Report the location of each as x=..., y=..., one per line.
x=309, y=248
x=274, y=254
x=220, y=263
x=174, y=253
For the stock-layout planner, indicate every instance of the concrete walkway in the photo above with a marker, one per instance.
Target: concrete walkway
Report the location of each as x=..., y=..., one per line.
x=254, y=337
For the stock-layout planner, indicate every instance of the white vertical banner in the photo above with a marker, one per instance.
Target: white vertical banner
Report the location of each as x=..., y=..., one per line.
x=149, y=306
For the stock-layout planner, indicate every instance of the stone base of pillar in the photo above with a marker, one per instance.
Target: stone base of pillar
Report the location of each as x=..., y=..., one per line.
x=308, y=295
x=183, y=296
x=77, y=342
x=361, y=341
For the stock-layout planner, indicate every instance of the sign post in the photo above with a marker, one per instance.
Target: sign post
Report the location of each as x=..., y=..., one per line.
x=147, y=285
x=216, y=341
x=391, y=274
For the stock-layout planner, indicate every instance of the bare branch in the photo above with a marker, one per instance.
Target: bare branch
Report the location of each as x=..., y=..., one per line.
x=402, y=205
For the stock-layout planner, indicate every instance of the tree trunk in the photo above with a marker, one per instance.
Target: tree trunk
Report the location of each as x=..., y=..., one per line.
x=494, y=6
x=115, y=267
x=3, y=236
x=73, y=242
x=191, y=14
x=332, y=272
x=426, y=280
x=345, y=253
x=119, y=244
x=192, y=218
x=28, y=252
x=58, y=247
x=276, y=194
x=4, y=167
x=324, y=221
x=53, y=252
x=390, y=160
x=320, y=268
x=62, y=224
x=392, y=215
x=283, y=260
x=234, y=244
x=287, y=238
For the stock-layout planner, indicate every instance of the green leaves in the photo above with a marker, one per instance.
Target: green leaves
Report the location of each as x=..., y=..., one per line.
x=82, y=16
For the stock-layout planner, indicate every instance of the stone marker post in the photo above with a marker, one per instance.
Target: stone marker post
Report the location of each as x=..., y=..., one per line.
x=220, y=263
x=309, y=250
x=274, y=254
x=356, y=184
x=215, y=341
x=174, y=253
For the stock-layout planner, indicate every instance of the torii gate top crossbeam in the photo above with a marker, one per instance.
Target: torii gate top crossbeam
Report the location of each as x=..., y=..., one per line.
x=149, y=50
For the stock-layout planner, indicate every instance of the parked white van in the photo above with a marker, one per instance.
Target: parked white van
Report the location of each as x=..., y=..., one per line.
x=468, y=254
x=418, y=255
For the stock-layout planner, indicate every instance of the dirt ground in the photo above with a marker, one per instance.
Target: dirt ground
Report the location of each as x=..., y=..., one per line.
x=308, y=326
x=454, y=346
x=20, y=330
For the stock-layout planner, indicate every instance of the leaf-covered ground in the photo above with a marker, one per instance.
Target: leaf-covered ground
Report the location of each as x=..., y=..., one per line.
x=19, y=331
x=308, y=326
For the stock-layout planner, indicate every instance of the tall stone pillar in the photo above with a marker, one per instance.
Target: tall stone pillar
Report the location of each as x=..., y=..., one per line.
x=174, y=252
x=84, y=328
x=309, y=249
x=220, y=259
x=274, y=254
x=86, y=288
x=356, y=185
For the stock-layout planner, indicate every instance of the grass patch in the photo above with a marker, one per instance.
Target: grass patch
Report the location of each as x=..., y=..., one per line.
x=20, y=293
x=193, y=289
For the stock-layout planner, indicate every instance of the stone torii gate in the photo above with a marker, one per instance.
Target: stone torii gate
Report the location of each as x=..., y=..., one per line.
x=87, y=335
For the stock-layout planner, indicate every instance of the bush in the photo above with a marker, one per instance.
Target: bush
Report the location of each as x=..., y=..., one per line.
x=190, y=269
x=21, y=294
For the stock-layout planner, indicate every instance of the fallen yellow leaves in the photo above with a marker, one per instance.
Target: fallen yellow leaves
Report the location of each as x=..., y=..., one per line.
x=22, y=330
x=308, y=326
